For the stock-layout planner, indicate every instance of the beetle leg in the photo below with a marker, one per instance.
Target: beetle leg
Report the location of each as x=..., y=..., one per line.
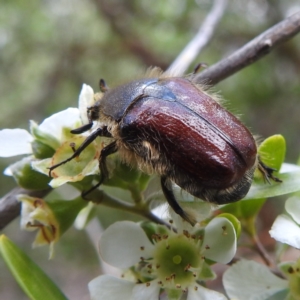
x=168, y=193
x=267, y=172
x=88, y=140
x=106, y=151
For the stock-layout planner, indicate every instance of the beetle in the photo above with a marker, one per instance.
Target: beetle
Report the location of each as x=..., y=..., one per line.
x=172, y=127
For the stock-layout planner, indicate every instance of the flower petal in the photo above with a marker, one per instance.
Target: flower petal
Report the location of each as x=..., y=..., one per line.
x=68, y=118
x=110, y=287
x=123, y=244
x=86, y=99
x=286, y=231
x=251, y=280
x=292, y=206
x=219, y=240
x=200, y=292
x=15, y=142
x=148, y=290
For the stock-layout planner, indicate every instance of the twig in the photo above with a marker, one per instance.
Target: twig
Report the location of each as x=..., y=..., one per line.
x=201, y=39
x=252, y=51
x=262, y=251
x=10, y=206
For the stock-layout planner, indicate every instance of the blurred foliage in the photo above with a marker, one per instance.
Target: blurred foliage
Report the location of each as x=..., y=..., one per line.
x=48, y=49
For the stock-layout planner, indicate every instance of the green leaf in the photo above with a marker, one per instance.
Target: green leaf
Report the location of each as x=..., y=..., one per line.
x=244, y=209
x=66, y=211
x=290, y=184
x=34, y=282
x=272, y=151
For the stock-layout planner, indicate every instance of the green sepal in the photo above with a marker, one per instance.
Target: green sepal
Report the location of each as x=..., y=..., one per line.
x=292, y=271
x=125, y=177
x=149, y=228
x=26, y=177
x=42, y=136
x=34, y=282
x=41, y=150
x=66, y=212
x=206, y=272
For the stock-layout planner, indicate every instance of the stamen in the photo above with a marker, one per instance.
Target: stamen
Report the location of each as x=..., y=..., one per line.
x=186, y=233
x=72, y=145
x=187, y=267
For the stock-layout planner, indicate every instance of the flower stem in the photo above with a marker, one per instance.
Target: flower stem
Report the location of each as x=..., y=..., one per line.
x=100, y=197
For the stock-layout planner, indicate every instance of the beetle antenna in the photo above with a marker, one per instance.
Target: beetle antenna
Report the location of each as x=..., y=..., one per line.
x=102, y=85
x=82, y=129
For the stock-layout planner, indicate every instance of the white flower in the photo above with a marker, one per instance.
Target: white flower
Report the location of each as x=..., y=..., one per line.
x=18, y=141
x=36, y=215
x=249, y=280
x=168, y=261
x=286, y=228
x=54, y=133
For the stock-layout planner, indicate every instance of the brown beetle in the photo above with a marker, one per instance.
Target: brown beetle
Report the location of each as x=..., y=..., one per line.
x=172, y=127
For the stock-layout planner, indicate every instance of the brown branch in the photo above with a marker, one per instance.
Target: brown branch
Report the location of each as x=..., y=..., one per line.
x=200, y=40
x=10, y=206
x=252, y=51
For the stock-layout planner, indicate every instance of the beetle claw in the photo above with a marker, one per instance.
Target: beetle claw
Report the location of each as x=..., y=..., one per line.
x=267, y=172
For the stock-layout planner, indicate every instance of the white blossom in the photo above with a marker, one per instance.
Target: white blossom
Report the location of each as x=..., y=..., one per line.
x=170, y=261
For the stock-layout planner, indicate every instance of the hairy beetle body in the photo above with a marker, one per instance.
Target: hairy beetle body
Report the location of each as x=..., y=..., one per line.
x=193, y=141
x=170, y=126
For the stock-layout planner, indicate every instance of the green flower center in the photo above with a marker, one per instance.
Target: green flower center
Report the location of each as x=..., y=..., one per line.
x=177, y=258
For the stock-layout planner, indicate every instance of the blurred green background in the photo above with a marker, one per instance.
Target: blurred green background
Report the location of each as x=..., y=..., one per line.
x=48, y=49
